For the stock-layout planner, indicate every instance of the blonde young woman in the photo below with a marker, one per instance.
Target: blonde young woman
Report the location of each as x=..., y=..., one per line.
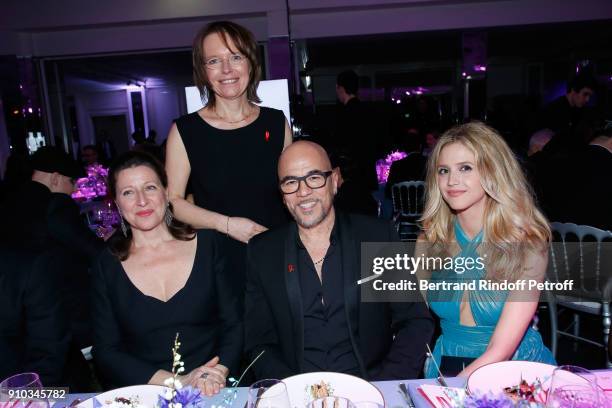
x=479, y=207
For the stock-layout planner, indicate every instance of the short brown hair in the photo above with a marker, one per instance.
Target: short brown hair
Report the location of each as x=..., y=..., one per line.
x=243, y=39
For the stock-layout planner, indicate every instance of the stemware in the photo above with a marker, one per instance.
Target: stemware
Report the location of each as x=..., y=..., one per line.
x=268, y=394
x=18, y=391
x=574, y=387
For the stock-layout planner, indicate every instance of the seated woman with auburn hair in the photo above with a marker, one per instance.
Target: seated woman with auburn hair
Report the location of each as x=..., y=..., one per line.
x=157, y=279
x=480, y=207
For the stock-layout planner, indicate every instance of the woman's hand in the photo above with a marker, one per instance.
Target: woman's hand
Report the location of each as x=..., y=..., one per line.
x=209, y=378
x=242, y=229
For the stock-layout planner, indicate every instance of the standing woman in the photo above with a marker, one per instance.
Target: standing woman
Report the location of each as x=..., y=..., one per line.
x=479, y=207
x=229, y=149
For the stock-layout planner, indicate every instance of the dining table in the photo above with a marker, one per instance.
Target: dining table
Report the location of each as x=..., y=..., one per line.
x=389, y=389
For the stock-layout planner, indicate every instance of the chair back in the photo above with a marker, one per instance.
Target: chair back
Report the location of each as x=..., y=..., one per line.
x=584, y=254
x=408, y=198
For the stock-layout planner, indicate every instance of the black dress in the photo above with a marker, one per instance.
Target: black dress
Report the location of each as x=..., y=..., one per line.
x=134, y=333
x=234, y=172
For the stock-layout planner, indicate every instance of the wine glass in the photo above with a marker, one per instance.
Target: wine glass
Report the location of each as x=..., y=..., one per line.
x=16, y=390
x=573, y=387
x=268, y=394
x=331, y=402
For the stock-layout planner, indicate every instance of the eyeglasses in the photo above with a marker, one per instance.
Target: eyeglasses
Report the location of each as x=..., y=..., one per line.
x=314, y=179
x=216, y=63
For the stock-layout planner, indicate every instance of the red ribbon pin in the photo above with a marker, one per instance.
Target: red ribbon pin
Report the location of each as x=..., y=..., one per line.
x=290, y=266
x=267, y=136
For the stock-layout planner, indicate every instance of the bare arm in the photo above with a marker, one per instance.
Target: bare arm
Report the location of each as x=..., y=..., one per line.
x=515, y=318
x=178, y=169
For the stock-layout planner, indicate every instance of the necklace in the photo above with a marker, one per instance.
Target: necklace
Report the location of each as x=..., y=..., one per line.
x=234, y=121
x=320, y=261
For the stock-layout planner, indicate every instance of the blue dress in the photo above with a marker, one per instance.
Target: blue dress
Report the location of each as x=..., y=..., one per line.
x=466, y=341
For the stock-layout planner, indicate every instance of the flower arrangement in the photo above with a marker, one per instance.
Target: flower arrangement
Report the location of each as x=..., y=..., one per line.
x=490, y=400
x=230, y=394
x=92, y=186
x=177, y=396
x=384, y=165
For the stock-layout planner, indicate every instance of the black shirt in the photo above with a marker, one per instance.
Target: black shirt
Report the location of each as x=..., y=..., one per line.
x=327, y=344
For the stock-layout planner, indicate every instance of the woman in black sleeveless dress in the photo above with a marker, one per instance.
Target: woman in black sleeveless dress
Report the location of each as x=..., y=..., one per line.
x=229, y=149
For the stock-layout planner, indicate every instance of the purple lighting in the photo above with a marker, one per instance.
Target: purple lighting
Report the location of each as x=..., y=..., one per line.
x=384, y=165
x=30, y=110
x=92, y=186
x=480, y=68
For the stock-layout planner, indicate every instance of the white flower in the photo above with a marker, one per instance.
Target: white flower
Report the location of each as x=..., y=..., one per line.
x=177, y=384
x=169, y=381
x=180, y=370
x=168, y=394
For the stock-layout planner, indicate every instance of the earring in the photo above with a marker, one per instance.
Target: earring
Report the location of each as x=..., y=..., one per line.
x=124, y=228
x=168, y=215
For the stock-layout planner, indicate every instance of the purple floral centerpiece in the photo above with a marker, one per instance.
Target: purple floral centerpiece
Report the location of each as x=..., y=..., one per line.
x=177, y=396
x=384, y=165
x=93, y=186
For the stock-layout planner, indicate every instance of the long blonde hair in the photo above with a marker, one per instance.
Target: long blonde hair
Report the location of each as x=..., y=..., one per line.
x=511, y=218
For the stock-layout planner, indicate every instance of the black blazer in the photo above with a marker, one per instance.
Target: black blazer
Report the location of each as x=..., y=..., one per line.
x=391, y=337
x=34, y=330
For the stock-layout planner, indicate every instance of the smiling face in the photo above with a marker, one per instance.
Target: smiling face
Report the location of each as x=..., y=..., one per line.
x=459, y=180
x=308, y=206
x=141, y=198
x=229, y=76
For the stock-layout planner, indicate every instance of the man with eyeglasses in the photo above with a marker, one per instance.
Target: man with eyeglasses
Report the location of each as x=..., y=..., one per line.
x=302, y=299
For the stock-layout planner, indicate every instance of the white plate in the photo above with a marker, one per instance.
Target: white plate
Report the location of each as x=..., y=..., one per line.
x=495, y=377
x=146, y=394
x=342, y=385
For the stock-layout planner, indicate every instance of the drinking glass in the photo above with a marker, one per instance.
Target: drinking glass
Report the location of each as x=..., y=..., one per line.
x=331, y=402
x=574, y=387
x=21, y=383
x=268, y=394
